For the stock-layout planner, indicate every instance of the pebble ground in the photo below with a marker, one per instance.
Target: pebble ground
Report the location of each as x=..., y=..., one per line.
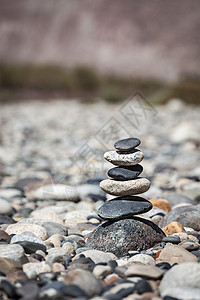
x=51, y=163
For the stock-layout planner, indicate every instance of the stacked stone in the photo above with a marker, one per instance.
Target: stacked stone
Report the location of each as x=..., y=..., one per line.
x=124, y=182
x=122, y=230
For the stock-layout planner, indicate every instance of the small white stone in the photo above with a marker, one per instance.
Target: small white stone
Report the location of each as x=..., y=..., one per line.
x=33, y=269
x=5, y=207
x=142, y=258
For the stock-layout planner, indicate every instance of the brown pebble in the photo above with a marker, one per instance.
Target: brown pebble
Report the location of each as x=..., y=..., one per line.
x=162, y=204
x=175, y=254
x=111, y=279
x=15, y=275
x=4, y=237
x=173, y=227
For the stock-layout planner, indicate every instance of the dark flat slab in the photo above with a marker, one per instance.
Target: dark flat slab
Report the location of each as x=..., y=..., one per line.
x=125, y=173
x=127, y=145
x=124, y=207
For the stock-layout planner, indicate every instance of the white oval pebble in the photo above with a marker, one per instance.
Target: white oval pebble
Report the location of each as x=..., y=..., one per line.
x=118, y=159
x=125, y=188
x=18, y=228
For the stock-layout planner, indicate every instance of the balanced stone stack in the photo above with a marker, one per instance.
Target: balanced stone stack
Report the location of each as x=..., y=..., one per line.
x=122, y=231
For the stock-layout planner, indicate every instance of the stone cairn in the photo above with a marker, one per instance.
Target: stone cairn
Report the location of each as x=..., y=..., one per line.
x=122, y=231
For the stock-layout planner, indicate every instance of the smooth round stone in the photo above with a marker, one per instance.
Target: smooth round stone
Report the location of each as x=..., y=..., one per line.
x=125, y=188
x=175, y=254
x=19, y=228
x=29, y=242
x=171, y=239
x=127, y=145
x=120, y=159
x=4, y=237
x=122, y=236
x=123, y=207
x=125, y=173
x=14, y=252
x=5, y=207
x=188, y=216
x=182, y=276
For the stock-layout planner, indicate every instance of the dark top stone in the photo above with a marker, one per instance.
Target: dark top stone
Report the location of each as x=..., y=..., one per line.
x=127, y=145
x=119, y=237
x=123, y=207
x=125, y=173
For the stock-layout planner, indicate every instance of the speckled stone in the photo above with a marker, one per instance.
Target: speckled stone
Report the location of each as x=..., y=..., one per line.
x=119, y=159
x=121, y=236
x=125, y=188
x=127, y=145
x=122, y=207
x=125, y=173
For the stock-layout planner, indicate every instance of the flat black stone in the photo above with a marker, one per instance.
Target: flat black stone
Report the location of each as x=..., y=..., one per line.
x=127, y=145
x=125, y=173
x=119, y=237
x=31, y=247
x=124, y=207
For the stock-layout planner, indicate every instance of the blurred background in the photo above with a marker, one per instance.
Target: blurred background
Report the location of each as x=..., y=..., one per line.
x=99, y=49
x=77, y=75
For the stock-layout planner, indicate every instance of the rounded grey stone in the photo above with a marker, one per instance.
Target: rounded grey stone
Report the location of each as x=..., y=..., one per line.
x=184, y=275
x=119, y=159
x=122, y=236
x=125, y=173
x=127, y=145
x=188, y=216
x=125, y=188
x=123, y=207
x=14, y=252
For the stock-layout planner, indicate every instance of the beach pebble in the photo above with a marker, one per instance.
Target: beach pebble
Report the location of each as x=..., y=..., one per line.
x=19, y=228
x=5, y=207
x=146, y=271
x=173, y=227
x=124, y=235
x=125, y=188
x=124, y=207
x=143, y=259
x=13, y=252
x=162, y=204
x=182, y=281
x=175, y=254
x=119, y=159
x=125, y=173
x=34, y=269
x=127, y=145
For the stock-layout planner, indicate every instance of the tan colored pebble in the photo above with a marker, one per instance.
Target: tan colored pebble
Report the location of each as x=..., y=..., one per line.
x=55, y=239
x=173, y=227
x=162, y=204
x=175, y=254
x=111, y=279
x=101, y=271
x=182, y=235
x=193, y=238
x=144, y=271
x=69, y=247
x=18, y=228
x=57, y=267
x=125, y=188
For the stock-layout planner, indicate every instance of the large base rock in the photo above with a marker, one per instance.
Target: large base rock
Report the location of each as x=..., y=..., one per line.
x=121, y=236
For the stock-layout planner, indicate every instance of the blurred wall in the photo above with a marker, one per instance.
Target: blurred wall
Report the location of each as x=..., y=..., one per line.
x=144, y=38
